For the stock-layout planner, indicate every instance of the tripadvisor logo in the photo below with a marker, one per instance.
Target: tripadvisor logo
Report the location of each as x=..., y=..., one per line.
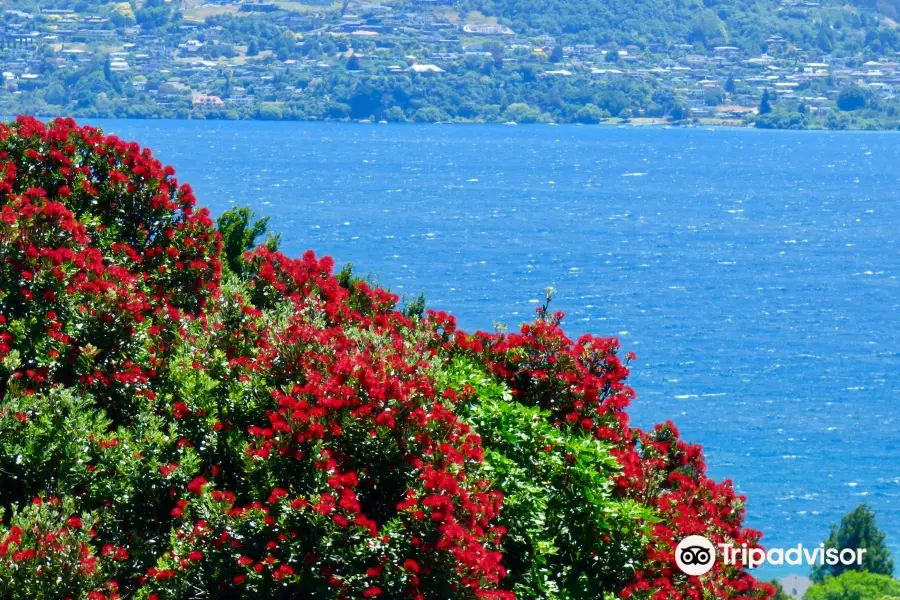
x=695, y=555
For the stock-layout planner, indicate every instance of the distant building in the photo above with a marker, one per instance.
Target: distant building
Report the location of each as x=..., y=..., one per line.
x=762, y=60
x=734, y=111
x=258, y=7
x=204, y=100
x=425, y=69
x=606, y=73
x=487, y=29
x=795, y=585
x=726, y=50
x=242, y=100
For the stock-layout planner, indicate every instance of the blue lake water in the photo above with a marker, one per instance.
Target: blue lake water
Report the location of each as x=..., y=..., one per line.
x=754, y=273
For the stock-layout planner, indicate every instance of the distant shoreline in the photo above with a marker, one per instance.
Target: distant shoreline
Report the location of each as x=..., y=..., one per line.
x=609, y=123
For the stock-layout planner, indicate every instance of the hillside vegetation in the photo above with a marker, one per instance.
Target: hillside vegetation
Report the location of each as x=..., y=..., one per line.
x=746, y=24
x=715, y=22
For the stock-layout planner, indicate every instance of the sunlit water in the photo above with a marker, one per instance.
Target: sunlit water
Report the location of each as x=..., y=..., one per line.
x=754, y=273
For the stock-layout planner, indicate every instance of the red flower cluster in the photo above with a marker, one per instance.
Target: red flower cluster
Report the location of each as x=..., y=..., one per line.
x=100, y=242
x=353, y=413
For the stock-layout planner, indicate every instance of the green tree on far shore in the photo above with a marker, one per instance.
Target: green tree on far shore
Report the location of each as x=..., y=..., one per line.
x=858, y=530
x=730, y=86
x=765, y=105
x=852, y=98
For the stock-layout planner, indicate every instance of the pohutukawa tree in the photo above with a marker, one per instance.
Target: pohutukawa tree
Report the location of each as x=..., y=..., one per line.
x=173, y=429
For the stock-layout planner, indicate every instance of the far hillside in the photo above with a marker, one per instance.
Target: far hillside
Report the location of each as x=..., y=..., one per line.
x=750, y=25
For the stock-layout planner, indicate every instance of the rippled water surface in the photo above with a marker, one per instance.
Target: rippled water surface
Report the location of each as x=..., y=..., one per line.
x=754, y=273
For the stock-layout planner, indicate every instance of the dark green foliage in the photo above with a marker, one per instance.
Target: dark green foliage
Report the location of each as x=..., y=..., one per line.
x=837, y=121
x=590, y=113
x=346, y=277
x=858, y=530
x=765, y=104
x=239, y=234
x=852, y=98
x=556, y=55
x=415, y=307
x=730, y=85
x=782, y=119
x=680, y=111
x=157, y=13
x=707, y=28
x=354, y=63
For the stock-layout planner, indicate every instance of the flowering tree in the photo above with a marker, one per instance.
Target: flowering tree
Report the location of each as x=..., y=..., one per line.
x=173, y=428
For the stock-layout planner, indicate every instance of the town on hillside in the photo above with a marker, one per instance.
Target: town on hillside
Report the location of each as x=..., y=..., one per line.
x=421, y=60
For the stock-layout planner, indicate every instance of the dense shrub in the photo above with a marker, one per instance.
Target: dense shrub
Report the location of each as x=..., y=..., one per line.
x=567, y=534
x=172, y=431
x=855, y=585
